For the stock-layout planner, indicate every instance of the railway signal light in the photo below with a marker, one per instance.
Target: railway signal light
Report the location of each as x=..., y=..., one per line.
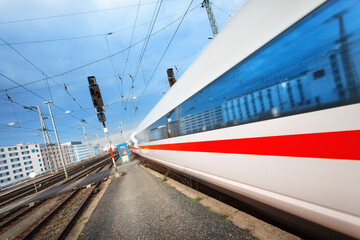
x=96, y=95
x=101, y=117
x=171, y=77
x=99, y=109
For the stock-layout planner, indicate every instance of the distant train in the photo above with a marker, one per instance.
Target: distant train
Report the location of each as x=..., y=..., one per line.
x=270, y=112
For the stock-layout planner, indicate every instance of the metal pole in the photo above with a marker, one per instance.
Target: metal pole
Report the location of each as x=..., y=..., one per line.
x=52, y=165
x=108, y=139
x=57, y=139
x=214, y=27
x=87, y=142
x=35, y=185
x=73, y=152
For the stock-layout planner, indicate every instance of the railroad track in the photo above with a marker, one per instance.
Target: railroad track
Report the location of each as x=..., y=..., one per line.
x=74, y=173
x=75, y=201
x=16, y=213
x=59, y=222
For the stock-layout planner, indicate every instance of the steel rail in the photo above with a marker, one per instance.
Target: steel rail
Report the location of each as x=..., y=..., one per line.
x=28, y=190
x=69, y=225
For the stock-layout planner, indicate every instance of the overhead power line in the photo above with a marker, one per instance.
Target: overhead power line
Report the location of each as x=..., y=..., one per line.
x=20, y=105
x=72, y=14
x=132, y=36
x=142, y=53
x=95, y=61
x=113, y=66
x=42, y=98
x=23, y=87
x=46, y=78
x=167, y=47
x=86, y=36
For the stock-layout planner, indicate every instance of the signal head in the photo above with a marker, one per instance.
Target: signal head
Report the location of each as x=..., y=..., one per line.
x=92, y=80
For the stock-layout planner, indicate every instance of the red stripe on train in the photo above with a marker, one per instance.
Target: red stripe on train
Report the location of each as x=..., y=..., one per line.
x=334, y=145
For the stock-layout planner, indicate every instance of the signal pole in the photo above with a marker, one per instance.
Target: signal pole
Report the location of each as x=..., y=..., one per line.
x=99, y=109
x=57, y=138
x=210, y=13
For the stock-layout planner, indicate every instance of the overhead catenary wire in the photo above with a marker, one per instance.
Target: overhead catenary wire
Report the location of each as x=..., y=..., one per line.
x=132, y=37
x=150, y=29
x=85, y=81
x=86, y=36
x=23, y=87
x=13, y=107
x=96, y=61
x=46, y=79
x=241, y=3
x=18, y=104
x=42, y=98
x=146, y=85
x=113, y=66
x=72, y=14
x=131, y=40
x=48, y=88
x=167, y=47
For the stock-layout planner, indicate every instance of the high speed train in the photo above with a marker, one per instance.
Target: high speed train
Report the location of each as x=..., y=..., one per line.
x=270, y=113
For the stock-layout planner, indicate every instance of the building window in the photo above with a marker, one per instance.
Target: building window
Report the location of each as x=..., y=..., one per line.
x=16, y=165
x=5, y=180
x=1, y=150
x=3, y=162
x=2, y=155
x=18, y=176
x=319, y=74
x=15, y=160
x=4, y=174
x=17, y=170
x=4, y=167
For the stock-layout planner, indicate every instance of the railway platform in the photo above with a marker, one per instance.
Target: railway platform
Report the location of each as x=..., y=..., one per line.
x=139, y=206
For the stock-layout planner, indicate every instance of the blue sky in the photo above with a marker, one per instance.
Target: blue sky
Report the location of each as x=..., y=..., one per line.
x=59, y=38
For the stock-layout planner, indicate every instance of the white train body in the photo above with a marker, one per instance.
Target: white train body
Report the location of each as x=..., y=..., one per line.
x=304, y=163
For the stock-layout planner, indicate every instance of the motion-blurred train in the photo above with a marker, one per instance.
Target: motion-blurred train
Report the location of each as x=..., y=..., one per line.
x=270, y=113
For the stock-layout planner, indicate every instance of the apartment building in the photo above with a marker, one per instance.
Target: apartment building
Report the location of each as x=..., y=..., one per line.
x=17, y=162
x=51, y=156
x=79, y=151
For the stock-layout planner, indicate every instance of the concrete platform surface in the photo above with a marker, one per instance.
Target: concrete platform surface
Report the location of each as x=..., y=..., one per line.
x=140, y=206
